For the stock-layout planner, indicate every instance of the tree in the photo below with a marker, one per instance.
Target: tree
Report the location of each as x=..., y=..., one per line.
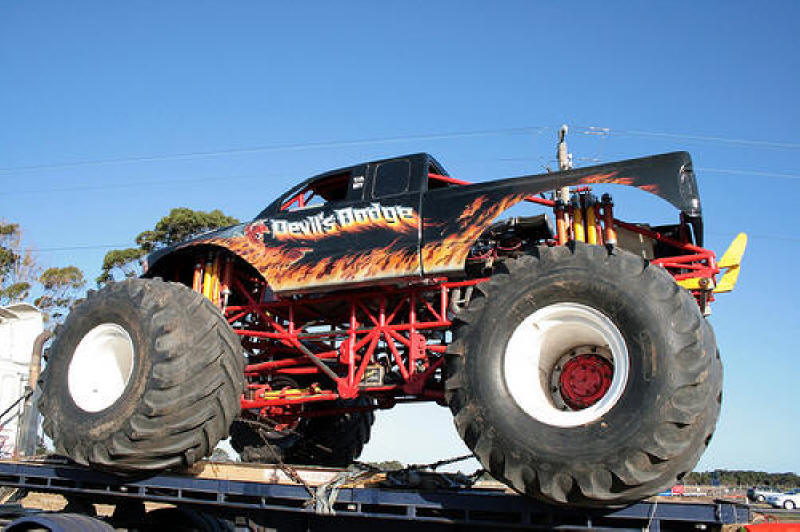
x=19, y=276
x=124, y=261
x=743, y=478
x=17, y=265
x=61, y=286
x=178, y=225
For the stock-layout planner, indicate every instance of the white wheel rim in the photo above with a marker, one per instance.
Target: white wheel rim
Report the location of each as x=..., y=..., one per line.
x=540, y=343
x=100, y=367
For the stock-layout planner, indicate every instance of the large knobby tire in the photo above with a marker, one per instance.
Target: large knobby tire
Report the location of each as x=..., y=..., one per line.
x=143, y=375
x=334, y=441
x=607, y=328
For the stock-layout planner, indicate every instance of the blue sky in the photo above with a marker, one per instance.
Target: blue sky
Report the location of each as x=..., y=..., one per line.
x=112, y=113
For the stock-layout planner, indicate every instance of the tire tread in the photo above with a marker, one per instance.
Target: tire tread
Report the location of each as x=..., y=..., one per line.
x=192, y=388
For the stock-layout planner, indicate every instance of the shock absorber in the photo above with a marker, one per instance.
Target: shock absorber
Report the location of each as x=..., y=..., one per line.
x=578, y=232
x=609, y=234
x=591, y=219
x=208, y=276
x=225, y=291
x=560, y=213
x=197, y=279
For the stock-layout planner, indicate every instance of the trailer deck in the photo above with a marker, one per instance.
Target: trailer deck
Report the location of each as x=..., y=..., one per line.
x=268, y=497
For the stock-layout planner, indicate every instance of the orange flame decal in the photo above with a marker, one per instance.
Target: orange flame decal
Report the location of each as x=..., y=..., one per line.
x=283, y=269
x=289, y=267
x=653, y=189
x=609, y=178
x=451, y=252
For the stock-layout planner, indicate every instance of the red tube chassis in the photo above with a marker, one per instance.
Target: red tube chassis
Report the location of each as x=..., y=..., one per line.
x=336, y=344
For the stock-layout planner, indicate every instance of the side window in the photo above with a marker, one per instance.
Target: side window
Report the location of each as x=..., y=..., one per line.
x=327, y=189
x=438, y=179
x=391, y=178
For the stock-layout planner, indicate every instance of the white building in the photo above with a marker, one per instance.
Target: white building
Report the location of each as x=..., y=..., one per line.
x=20, y=324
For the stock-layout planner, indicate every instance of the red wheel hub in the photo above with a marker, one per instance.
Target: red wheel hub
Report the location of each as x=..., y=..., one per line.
x=584, y=380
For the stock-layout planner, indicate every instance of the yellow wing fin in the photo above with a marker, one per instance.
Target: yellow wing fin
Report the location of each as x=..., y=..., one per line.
x=731, y=260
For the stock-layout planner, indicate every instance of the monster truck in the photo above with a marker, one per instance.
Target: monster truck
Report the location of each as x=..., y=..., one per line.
x=570, y=346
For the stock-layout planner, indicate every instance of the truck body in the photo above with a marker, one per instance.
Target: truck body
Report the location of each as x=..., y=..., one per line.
x=405, y=218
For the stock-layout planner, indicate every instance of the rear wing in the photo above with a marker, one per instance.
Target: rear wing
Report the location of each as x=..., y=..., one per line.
x=455, y=217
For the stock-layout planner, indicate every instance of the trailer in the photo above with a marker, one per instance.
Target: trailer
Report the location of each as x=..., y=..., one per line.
x=220, y=496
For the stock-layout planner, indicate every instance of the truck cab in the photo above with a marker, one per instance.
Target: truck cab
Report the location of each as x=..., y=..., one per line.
x=367, y=210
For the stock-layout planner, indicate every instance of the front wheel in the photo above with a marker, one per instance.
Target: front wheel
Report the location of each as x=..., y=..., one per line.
x=142, y=375
x=585, y=377
x=789, y=505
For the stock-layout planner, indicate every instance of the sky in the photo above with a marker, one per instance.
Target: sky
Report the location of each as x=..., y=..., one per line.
x=112, y=113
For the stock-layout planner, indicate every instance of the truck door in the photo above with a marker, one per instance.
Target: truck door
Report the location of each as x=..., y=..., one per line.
x=358, y=225
x=396, y=190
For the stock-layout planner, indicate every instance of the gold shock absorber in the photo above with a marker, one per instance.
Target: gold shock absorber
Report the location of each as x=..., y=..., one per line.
x=561, y=221
x=598, y=223
x=591, y=220
x=577, y=219
x=208, y=276
x=197, y=279
x=215, y=283
x=225, y=291
x=609, y=234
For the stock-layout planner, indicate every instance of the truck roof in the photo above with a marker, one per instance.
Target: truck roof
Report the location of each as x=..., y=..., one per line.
x=423, y=159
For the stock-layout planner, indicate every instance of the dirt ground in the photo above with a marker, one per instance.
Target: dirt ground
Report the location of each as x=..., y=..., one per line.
x=53, y=502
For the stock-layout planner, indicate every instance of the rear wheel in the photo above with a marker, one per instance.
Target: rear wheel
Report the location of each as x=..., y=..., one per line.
x=789, y=505
x=333, y=441
x=585, y=377
x=143, y=375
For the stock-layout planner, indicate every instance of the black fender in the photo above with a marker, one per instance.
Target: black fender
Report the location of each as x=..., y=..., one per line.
x=233, y=240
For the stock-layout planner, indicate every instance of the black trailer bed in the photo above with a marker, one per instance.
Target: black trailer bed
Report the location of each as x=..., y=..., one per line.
x=285, y=506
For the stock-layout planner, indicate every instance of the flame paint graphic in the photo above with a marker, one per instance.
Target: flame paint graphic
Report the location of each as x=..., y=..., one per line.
x=653, y=189
x=448, y=253
x=609, y=178
x=284, y=269
x=451, y=252
x=287, y=267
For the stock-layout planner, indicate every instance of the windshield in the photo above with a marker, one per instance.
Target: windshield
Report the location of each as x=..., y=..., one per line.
x=326, y=189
